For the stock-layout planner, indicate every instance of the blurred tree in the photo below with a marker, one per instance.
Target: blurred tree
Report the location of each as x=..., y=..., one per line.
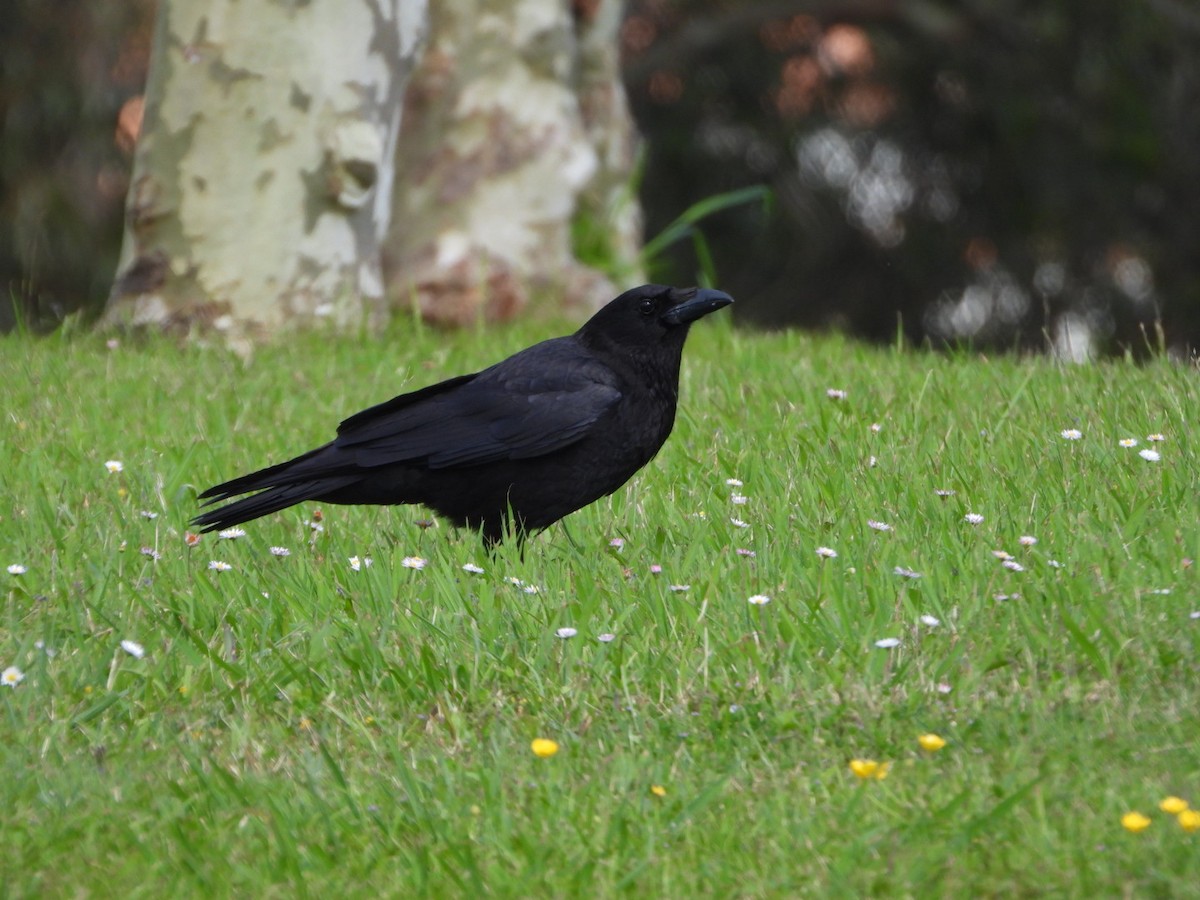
x=263, y=180
x=1004, y=172
x=261, y=188
x=516, y=138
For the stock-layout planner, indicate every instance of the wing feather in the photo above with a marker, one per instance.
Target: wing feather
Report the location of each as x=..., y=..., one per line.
x=531, y=405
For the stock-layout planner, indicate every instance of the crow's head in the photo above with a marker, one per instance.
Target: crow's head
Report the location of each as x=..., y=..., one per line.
x=652, y=314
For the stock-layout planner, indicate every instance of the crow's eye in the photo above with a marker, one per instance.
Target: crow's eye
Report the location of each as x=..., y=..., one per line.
x=646, y=307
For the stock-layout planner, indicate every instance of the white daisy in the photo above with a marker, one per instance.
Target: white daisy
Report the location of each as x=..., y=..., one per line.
x=759, y=600
x=1128, y=442
x=566, y=632
x=836, y=394
x=11, y=677
x=280, y=551
x=1149, y=455
x=973, y=518
x=931, y=621
x=887, y=643
x=826, y=552
x=133, y=648
x=472, y=568
x=114, y=466
x=1071, y=434
x=218, y=566
x=231, y=534
x=905, y=573
x=878, y=526
x=606, y=638
x=733, y=482
x=409, y=562
x=1156, y=438
x=17, y=569
x=1027, y=540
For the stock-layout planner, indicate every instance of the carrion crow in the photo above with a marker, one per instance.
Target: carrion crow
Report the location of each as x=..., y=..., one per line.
x=518, y=445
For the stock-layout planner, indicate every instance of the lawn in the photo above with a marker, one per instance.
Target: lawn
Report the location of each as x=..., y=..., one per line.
x=996, y=569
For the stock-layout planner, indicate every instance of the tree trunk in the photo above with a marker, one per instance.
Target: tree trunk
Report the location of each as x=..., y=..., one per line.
x=262, y=180
x=517, y=141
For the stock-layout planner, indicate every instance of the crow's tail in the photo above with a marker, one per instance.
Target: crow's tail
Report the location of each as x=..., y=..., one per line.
x=309, y=476
x=266, y=502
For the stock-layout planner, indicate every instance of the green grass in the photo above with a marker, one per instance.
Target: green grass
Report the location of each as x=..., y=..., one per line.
x=297, y=727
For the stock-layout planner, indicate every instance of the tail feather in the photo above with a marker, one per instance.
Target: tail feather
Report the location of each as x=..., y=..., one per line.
x=292, y=471
x=273, y=499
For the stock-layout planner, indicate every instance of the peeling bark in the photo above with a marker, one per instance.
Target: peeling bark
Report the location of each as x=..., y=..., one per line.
x=263, y=179
x=515, y=123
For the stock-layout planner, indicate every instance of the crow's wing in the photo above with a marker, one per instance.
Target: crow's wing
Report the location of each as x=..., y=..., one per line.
x=537, y=402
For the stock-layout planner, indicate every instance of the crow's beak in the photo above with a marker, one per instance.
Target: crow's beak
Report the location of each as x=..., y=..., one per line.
x=697, y=302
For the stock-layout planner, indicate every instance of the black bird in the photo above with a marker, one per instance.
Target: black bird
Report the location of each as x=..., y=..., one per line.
x=521, y=444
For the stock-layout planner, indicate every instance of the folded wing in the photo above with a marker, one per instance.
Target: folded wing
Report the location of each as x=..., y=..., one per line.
x=520, y=409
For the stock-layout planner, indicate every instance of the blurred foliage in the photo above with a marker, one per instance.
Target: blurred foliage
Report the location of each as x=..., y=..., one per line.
x=999, y=172
x=688, y=226
x=1004, y=173
x=66, y=70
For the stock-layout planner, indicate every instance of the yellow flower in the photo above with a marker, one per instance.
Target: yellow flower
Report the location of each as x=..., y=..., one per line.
x=658, y=790
x=1173, y=805
x=931, y=742
x=543, y=747
x=1135, y=822
x=1189, y=819
x=863, y=768
x=869, y=768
